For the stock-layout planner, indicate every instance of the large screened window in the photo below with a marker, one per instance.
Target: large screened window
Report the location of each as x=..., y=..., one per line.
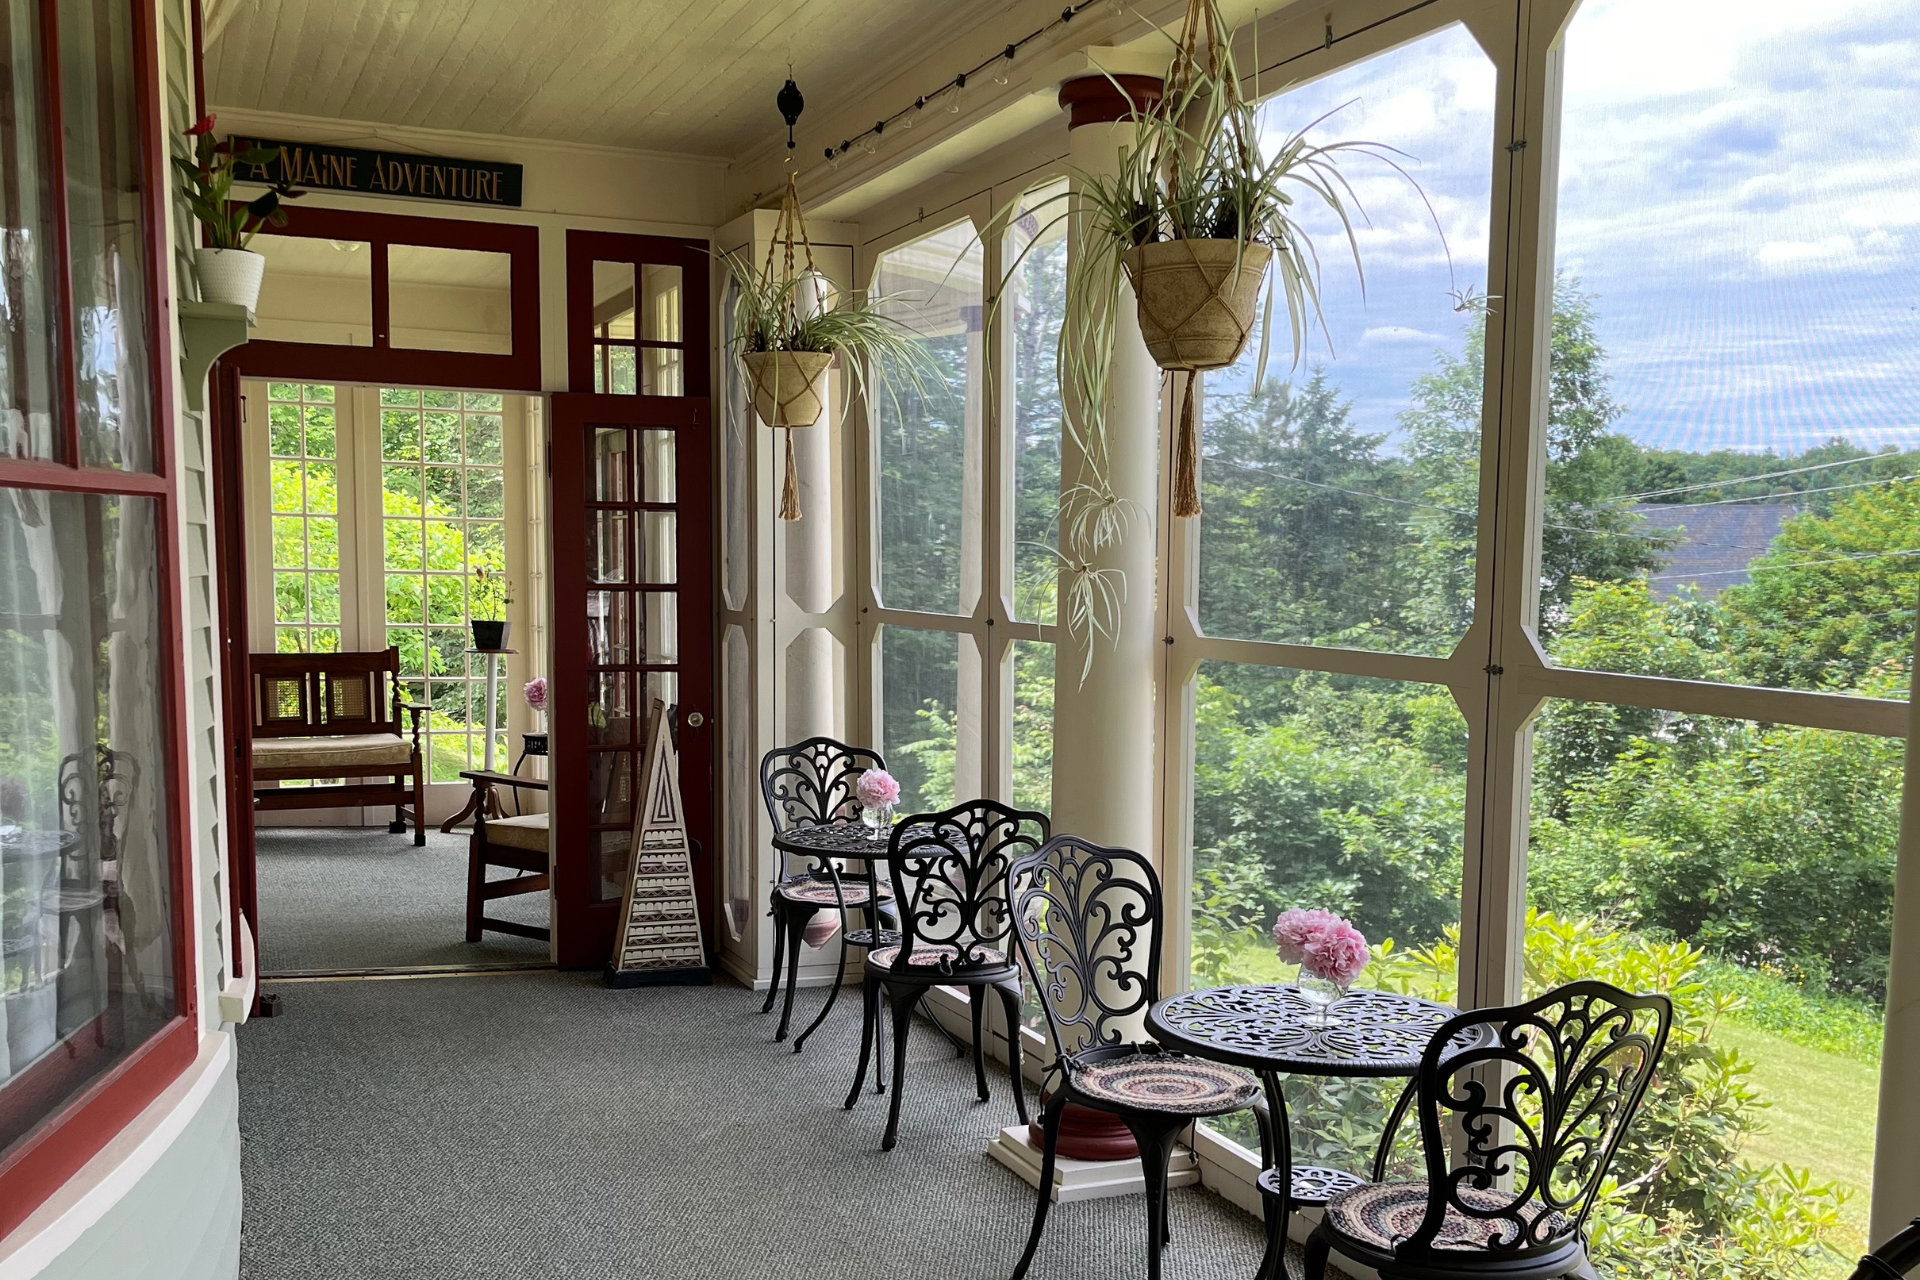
x=96, y=989
x=1553, y=617
x=929, y=450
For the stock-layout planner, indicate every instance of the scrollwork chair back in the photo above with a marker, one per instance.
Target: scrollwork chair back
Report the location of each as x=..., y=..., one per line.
x=949, y=872
x=810, y=783
x=1540, y=1112
x=1087, y=922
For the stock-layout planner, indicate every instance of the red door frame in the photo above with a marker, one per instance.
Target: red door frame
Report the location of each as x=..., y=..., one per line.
x=56, y=1149
x=585, y=928
x=519, y=370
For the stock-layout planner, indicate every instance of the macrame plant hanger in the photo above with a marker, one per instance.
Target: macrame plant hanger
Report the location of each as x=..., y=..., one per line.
x=1202, y=22
x=790, y=226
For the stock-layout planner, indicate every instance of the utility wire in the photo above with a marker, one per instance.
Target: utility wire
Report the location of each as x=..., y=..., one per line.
x=1769, y=475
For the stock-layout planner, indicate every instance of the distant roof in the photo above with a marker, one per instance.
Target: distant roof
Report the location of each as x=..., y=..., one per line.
x=1719, y=542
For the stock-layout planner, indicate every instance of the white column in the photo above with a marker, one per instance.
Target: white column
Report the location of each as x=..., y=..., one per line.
x=1103, y=777
x=1896, y=1170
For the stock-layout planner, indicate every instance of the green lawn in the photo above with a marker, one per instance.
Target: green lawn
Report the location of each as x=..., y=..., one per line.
x=1821, y=1119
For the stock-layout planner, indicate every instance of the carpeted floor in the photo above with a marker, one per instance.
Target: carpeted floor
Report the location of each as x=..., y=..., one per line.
x=360, y=898
x=538, y=1125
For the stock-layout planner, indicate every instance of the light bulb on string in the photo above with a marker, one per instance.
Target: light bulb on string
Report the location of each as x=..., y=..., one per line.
x=1000, y=67
x=953, y=95
x=919, y=105
x=870, y=144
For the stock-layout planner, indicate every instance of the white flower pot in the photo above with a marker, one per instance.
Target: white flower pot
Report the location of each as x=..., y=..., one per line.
x=229, y=275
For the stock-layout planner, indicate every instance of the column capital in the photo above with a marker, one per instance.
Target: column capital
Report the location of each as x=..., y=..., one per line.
x=1105, y=98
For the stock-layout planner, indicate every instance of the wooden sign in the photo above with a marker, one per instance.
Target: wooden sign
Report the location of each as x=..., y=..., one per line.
x=659, y=941
x=320, y=167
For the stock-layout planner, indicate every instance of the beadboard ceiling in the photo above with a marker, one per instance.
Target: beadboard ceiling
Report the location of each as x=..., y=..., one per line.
x=691, y=76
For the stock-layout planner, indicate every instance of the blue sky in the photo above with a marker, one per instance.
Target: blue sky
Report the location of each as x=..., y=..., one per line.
x=1740, y=191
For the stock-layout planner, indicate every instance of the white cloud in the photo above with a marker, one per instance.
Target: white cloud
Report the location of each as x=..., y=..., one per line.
x=1404, y=333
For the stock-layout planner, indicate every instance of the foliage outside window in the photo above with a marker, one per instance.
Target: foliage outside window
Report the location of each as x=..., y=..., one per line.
x=443, y=503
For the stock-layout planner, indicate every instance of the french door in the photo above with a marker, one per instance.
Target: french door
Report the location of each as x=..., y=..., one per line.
x=632, y=606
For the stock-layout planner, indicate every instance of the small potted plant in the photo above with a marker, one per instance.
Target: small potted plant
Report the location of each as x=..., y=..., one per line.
x=488, y=598
x=1331, y=954
x=228, y=270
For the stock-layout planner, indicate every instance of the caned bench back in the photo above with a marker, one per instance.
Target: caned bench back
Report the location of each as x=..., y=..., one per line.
x=298, y=695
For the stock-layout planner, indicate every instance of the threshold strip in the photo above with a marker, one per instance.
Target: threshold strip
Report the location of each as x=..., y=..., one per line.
x=423, y=971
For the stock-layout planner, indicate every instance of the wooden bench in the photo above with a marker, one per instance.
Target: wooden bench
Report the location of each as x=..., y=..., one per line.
x=319, y=716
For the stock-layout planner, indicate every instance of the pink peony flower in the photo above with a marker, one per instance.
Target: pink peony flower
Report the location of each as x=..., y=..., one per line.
x=536, y=693
x=1338, y=954
x=876, y=789
x=1294, y=929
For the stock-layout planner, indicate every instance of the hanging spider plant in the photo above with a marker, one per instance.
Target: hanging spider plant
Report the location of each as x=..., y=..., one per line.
x=790, y=325
x=1192, y=218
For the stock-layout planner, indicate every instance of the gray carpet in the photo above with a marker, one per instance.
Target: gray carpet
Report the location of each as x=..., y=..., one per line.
x=540, y=1125
x=360, y=898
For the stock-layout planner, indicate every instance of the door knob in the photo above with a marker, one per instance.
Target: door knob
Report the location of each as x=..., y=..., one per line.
x=695, y=719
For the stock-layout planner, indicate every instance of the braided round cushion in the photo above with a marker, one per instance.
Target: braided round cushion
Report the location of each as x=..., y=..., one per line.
x=1382, y=1214
x=930, y=955
x=1163, y=1082
x=819, y=893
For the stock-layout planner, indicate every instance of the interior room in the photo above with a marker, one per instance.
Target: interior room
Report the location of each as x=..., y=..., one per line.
x=1019, y=640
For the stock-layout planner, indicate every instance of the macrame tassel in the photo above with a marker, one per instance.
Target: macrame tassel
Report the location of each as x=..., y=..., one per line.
x=1186, y=465
x=790, y=491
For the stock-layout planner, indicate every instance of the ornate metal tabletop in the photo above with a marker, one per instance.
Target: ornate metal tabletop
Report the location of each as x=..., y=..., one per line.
x=833, y=840
x=1262, y=1029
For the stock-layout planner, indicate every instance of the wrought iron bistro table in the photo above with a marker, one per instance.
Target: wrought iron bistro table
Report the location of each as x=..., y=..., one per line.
x=823, y=844
x=1263, y=1030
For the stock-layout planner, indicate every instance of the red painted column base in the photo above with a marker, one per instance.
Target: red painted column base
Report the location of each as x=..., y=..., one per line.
x=1087, y=1134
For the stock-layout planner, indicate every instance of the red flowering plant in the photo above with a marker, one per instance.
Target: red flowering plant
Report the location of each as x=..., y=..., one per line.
x=209, y=185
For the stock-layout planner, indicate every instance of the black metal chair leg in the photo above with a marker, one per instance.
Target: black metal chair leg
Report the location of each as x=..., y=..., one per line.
x=1010, y=1001
x=1277, y=1136
x=880, y=1016
x=833, y=992
x=902, y=1023
x=779, y=948
x=796, y=928
x=1154, y=1136
x=977, y=1002
x=869, y=1021
x=1317, y=1250
x=1049, y=1140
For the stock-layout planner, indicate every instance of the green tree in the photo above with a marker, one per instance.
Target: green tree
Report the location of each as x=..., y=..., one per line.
x=1831, y=604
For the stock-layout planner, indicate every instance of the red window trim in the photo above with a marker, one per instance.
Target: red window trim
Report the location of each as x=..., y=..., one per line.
x=584, y=248
x=383, y=363
x=63, y=1142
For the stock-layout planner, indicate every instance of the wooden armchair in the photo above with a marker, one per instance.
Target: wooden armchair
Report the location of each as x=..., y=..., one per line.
x=319, y=716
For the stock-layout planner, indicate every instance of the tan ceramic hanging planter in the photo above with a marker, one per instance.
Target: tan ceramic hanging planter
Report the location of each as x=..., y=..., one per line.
x=789, y=388
x=1196, y=299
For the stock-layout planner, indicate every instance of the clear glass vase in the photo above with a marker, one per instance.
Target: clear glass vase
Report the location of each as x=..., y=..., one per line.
x=1322, y=995
x=878, y=819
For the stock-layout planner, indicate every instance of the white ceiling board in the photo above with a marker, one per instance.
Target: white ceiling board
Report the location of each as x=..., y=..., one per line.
x=688, y=76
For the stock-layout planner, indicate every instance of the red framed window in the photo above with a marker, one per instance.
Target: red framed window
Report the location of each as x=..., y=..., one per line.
x=97, y=1010
x=396, y=300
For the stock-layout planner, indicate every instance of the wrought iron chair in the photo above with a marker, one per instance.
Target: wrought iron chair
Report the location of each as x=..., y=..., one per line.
x=810, y=784
x=949, y=873
x=1087, y=923
x=1539, y=1110
x=1894, y=1259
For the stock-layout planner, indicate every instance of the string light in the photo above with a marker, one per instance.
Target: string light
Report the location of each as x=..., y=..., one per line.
x=954, y=88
